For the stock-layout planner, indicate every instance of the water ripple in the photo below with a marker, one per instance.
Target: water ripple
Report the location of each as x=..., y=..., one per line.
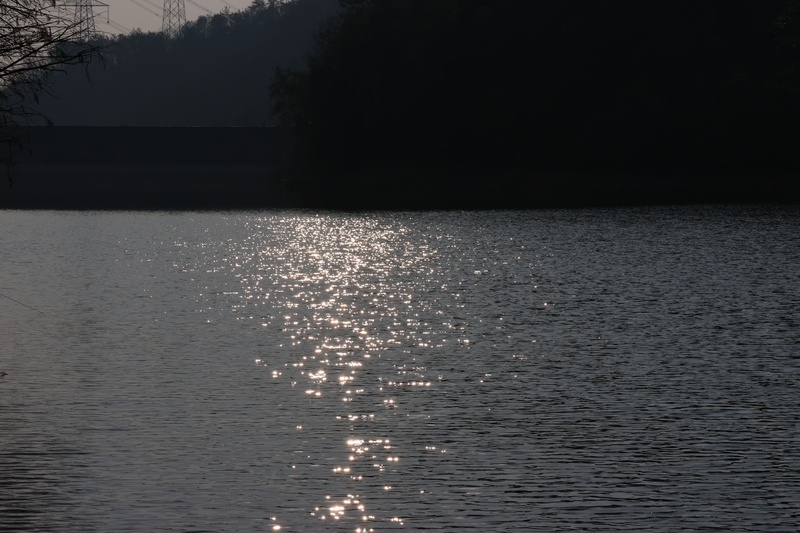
x=491, y=371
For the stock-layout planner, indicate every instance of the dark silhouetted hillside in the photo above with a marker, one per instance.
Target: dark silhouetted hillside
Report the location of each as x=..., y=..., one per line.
x=692, y=96
x=217, y=73
x=466, y=103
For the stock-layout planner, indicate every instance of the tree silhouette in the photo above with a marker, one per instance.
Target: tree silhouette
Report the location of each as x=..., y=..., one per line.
x=627, y=87
x=217, y=72
x=37, y=37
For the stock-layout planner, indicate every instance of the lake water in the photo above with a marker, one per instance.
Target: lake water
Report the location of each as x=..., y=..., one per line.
x=571, y=370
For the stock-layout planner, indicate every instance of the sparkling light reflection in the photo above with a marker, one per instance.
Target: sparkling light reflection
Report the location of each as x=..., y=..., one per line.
x=342, y=300
x=361, y=311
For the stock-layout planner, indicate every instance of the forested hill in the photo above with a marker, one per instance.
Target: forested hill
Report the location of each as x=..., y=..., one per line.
x=687, y=87
x=217, y=73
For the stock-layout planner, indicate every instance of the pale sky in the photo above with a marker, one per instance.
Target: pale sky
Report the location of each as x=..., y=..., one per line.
x=126, y=15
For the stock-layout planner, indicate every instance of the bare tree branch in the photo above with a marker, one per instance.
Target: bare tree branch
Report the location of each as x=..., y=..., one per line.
x=37, y=38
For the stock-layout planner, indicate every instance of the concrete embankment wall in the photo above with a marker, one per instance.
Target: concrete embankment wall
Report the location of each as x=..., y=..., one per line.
x=145, y=168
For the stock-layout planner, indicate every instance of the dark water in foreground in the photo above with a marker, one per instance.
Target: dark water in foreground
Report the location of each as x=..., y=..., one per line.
x=595, y=370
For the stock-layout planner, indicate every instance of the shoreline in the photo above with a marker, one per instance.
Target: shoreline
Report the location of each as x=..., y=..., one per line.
x=175, y=168
x=74, y=167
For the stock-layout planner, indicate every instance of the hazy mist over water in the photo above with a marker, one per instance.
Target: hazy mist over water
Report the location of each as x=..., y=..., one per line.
x=593, y=370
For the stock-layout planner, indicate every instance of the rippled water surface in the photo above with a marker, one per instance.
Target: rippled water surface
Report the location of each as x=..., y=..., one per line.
x=588, y=370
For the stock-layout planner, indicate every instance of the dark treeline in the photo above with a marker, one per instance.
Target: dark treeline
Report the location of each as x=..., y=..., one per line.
x=704, y=90
x=217, y=73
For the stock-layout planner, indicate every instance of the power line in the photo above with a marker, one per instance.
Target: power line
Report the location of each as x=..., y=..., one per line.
x=156, y=10
x=117, y=26
x=195, y=4
x=158, y=7
x=134, y=2
x=20, y=303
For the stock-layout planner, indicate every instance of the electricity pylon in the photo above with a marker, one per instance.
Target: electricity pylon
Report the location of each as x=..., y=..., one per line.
x=84, y=19
x=174, y=17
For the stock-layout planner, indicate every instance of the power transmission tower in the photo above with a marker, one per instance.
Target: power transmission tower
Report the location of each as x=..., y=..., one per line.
x=174, y=17
x=84, y=19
